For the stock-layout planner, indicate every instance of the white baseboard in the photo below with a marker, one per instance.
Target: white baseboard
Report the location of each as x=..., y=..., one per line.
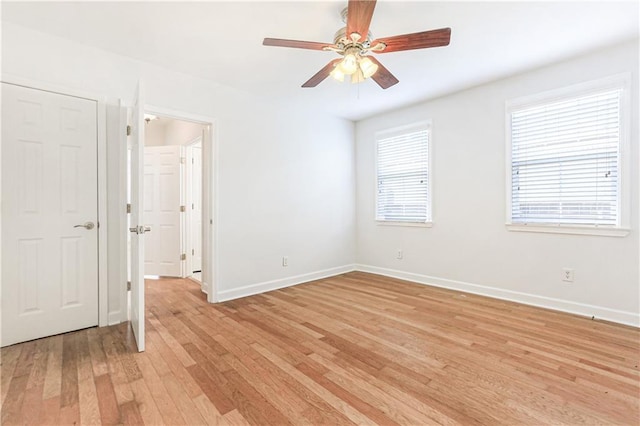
x=250, y=290
x=599, y=312
x=114, y=317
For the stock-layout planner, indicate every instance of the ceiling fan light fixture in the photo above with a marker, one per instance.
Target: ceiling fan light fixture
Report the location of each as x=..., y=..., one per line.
x=354, y=41
x=357, y=77
x=367, y=67
x=337, y=74
x=349, y=64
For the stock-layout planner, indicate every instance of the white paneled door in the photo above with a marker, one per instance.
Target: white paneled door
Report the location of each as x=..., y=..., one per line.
x=196, y=208
x=162, y=183
x=49, y=214
x=138, y=230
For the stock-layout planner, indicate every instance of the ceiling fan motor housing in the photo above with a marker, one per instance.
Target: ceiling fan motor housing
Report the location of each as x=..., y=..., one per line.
x=343, y=42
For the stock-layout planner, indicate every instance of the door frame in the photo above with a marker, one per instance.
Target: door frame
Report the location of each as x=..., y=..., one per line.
x=101, y=164
x=209, y=194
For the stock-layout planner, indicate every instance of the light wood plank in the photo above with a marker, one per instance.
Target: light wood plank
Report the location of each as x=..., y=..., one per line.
x=8, y=359
x=209, y=412
x=161, y=398
x=53, y=379
x=147, y=407
x=107, y=401
x=33, y=401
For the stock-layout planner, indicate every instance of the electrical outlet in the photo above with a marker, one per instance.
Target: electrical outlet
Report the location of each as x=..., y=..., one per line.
x=285, y=260
x=567, y=275
x=399, y=254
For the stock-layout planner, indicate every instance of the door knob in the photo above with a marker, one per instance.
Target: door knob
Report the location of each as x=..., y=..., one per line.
x=140, y=229
x=87, y=225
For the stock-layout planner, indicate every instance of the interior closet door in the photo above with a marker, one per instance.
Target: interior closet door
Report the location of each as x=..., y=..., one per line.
x=49, y=214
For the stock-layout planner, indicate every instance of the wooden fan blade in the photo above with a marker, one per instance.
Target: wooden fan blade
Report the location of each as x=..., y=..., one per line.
x=383, y=77
x=359, y=15
x=322, y=74
x=432, y=38
x=279, y=42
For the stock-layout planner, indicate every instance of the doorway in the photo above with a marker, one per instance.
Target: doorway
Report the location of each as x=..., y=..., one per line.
x=173, y=197
x=178, y=198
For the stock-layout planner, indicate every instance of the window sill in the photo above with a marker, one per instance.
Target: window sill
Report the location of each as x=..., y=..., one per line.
x=569, y=229
x=409, y=224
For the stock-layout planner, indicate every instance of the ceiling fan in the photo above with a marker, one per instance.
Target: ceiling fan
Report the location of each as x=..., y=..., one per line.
x=355, y=41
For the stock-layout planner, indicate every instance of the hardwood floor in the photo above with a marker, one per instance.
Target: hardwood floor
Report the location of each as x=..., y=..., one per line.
x=357, y=348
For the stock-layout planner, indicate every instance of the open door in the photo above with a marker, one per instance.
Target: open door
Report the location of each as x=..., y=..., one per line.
x=137, y=227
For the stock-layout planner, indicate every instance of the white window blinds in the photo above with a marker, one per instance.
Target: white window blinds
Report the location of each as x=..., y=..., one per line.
x=564, y=161
x=403, y=175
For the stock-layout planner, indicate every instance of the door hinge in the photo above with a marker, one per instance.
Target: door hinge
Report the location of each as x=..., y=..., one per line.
x=193, y=251
x=183, y=208
x=182, y=160
x=193, y=161
x=183, y=256
x=128, y=285
x=128, y=208
x=128, y=130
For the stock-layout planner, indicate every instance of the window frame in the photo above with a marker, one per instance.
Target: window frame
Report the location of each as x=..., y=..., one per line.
x=619, y=81
x=398, y=130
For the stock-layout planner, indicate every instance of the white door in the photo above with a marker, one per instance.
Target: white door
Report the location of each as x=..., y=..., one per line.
x=137, y=228
x=162, y=183
x=196, y=208
x=49, y=214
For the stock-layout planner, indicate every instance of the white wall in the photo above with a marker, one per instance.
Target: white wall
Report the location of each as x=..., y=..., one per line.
x=167, y=131
x=285, y=181
x=154, y=133
x=178, y=132
x=469, y=245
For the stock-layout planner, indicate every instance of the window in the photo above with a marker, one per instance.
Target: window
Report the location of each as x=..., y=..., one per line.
x=403, y=191
x=565, y=155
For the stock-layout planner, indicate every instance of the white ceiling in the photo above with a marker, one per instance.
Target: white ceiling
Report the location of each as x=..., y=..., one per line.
x=222, y=41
